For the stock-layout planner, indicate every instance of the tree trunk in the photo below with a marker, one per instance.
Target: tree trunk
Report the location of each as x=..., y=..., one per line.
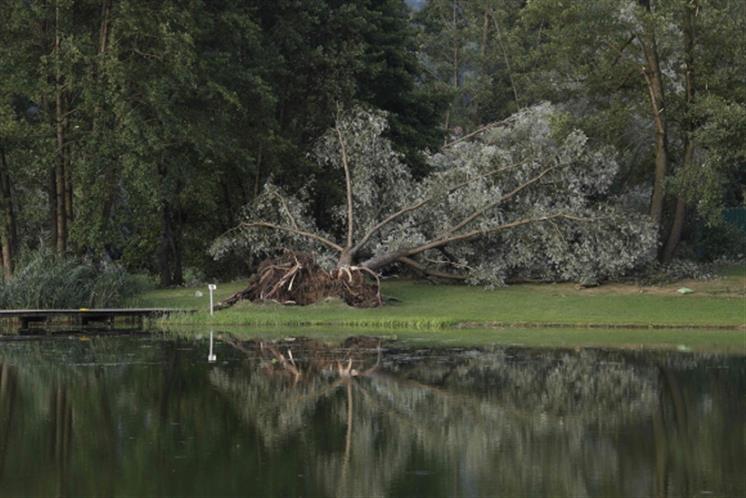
x=59, y=187
x=376, y=263
x=455, y=66
x=345, y=259
x=258, y=176
x=485, y=30
x=68, y=190
x=654, y=79
x=165, y=245
x=506, y=58
x=177, y=245
x=103, y=32
x=52, y=188
x=456, y=45
x=169, y=250
x=677, y=227
x=111, y=173
x=59, y=171
x=7, y=212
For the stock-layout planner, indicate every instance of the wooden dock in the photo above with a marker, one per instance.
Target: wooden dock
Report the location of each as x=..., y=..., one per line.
x=84, y=317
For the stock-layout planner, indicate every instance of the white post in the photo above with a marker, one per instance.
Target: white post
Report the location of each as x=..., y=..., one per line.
x=212, y=288
x=211, y=358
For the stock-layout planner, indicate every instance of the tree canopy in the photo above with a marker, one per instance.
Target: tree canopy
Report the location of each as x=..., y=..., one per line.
x=139, y=132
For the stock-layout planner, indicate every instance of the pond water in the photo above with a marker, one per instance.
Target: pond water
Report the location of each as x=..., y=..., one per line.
x=148, y=416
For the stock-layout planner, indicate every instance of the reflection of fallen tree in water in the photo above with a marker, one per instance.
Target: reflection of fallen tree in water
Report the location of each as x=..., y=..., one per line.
x=465, y=409
x=319, y=358
x=279, y=391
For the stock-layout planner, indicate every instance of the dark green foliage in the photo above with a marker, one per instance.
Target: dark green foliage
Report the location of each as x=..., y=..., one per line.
x=723, y=240
x=159, y=120
x=172, y=114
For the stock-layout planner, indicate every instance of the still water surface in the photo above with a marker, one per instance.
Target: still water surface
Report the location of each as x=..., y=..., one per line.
x=143, y=416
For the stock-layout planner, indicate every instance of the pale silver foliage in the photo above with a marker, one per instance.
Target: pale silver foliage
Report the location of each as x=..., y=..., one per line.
x=273, y=205
x=522, y=200
x=381, y=182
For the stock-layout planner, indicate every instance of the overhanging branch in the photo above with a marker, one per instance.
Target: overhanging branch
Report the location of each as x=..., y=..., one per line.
x=476, y=132
x=428, y=271
x=302, y=233
x=478, y=233
x=380, y=261
x=417, y=205
x=480, y=212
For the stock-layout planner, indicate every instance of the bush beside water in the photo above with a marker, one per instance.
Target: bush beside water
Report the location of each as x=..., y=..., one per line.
x=45, y=280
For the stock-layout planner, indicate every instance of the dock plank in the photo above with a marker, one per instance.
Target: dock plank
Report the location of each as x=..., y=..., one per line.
x=85, y=316
x=93, y=311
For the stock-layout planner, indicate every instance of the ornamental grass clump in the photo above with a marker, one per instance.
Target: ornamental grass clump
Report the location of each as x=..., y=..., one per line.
x=45, y=280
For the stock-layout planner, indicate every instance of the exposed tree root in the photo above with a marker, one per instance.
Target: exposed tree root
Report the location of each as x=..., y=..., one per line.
x=295, y=278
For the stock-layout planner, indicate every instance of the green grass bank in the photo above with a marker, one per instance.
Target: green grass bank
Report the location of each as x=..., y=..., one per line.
x=718, y=303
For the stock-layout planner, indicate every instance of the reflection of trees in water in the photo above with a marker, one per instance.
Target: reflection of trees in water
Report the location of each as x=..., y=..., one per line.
x=75, y=407
x=8, y=380
x=582, y=386
x=499, y=422
x=475, y=412
x=694, y=420
x=509, y=422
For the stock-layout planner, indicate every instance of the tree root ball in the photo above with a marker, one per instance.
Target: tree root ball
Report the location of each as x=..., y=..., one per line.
x=296, y=278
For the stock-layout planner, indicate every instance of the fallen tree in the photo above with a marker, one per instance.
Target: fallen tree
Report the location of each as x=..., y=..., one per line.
x=522, y=198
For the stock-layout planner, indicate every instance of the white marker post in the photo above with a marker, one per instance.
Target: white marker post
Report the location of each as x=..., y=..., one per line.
x=211, y=358
x=212, y=288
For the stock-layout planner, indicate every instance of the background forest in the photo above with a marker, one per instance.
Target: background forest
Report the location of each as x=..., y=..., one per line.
x=134, y=132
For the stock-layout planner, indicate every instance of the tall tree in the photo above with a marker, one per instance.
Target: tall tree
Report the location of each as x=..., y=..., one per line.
x=609, y=60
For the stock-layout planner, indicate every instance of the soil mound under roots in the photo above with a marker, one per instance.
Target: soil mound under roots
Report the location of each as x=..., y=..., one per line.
x=296, y=278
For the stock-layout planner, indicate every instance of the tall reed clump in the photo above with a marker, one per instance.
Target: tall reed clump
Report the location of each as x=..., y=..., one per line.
x=45, y=280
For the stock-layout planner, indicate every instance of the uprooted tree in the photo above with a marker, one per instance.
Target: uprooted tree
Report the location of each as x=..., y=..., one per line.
x=523, y=198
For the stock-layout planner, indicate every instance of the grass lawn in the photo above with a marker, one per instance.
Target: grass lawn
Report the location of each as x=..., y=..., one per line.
x=715, y=303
